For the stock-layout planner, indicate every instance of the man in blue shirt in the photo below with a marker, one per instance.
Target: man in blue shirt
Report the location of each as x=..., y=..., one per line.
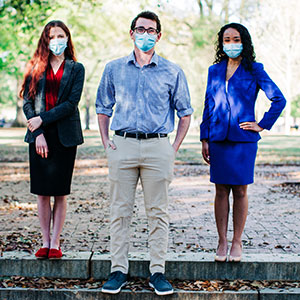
x=145, y=90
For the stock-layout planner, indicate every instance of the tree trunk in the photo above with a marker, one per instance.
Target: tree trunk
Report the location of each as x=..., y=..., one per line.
x=87, y=108
x=226, y=11
x=209, y=4
x=201, y=8
x=288, y=107
x=20, y=120
x=242, y=11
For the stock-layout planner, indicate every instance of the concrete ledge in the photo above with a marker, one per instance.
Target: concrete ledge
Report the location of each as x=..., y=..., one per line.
x=86, y=294
x=280, y=294
x=71, y=265
x=190, y=266
x=187, y=266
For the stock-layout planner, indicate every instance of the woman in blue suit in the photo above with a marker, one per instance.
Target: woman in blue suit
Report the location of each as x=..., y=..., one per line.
x=229, y=131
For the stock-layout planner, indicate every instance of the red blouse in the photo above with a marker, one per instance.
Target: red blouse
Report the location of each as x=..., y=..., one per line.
x=52, y=85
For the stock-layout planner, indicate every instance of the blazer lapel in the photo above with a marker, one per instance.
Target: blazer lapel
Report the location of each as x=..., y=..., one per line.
x=65, y=78
x=40, y=97
x=219, y=77
x=222, y=73
x=220, y=95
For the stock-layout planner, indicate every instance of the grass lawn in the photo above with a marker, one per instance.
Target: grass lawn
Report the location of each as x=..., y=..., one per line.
x=272, y=149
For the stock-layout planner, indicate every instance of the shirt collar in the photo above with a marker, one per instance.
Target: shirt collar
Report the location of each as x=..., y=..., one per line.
x=131, y=58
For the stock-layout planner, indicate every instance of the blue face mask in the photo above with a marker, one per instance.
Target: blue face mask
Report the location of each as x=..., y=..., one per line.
x=58, y=46
x=233, y=50
x=145, y=41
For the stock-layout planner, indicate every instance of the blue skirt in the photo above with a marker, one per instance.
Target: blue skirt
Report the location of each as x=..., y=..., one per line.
x=232, y=162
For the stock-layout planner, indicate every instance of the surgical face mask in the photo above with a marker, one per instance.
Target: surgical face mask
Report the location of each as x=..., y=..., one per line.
x=58, y=46
x=145, y=41
x=233, y=50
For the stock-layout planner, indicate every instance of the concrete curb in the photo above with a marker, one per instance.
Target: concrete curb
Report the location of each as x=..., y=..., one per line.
x=72, y=265
x=193, y=266
x=187, y=266
x=86, y=294
x=280, y=294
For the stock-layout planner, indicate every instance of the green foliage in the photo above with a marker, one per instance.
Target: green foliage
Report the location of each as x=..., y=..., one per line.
x=7, y=94
x=205, y=30
x=20, y=26
x=296, y=107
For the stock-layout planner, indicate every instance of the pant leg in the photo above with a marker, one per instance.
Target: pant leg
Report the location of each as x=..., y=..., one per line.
x=123, y=175
x=156, y=173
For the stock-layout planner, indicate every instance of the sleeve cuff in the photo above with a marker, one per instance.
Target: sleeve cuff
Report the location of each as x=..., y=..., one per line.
x=203, y=136
x=104, y=111
x=43, y=117
x=37, y=132
x=263, y=125
x=185, y=112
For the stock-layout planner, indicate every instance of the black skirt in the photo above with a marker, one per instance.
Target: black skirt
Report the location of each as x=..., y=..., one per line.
x=51, y=176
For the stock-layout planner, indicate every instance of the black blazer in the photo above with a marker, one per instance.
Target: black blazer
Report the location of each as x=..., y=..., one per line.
x=65, y=114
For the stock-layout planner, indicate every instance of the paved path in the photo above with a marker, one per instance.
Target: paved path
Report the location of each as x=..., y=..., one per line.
x=272, y=225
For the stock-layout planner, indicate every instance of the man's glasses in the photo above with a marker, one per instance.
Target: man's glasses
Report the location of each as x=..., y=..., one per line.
x=150, y=30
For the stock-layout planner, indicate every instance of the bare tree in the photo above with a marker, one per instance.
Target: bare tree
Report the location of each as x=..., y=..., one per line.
x=277, y=40
x=201, y=8
x=226, y=10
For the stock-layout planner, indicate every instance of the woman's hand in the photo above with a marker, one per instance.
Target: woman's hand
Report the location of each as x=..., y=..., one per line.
x=252, y=126
x=41, y=146
x=34, y=123
x=205, y=151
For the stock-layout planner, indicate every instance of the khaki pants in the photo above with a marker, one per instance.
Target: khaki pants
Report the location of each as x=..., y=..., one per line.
x=152, y=161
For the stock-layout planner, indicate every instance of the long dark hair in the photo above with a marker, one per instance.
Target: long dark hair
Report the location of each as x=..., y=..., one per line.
x=38, y=64
x=248, y=54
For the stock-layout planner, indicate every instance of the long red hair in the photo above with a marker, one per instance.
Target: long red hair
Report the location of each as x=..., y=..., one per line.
x=38, y=64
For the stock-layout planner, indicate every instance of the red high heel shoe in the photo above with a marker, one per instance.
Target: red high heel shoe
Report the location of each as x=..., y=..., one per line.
x=42, y=253
x=55, y=254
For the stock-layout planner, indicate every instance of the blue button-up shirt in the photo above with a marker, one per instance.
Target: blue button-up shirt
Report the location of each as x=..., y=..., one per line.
x=144, y=98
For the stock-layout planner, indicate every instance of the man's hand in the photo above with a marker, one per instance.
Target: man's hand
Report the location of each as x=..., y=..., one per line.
x=205, y=151
x=34, y=123
x=103, y=121
x=41, y=146
x=252, y=126
x=182, y=128
x=108, y=143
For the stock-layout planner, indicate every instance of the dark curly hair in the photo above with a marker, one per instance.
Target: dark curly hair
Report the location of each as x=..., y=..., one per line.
x=248, y=54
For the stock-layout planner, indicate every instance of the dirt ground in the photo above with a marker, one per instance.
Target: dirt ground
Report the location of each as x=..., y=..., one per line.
x=272, y=225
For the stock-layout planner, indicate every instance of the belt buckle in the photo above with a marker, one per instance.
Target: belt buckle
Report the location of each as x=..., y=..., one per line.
x=141, y=135
x=138, y=135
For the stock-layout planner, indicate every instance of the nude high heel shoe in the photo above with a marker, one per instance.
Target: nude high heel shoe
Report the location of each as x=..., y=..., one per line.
x=220, y=258
x=233, y=258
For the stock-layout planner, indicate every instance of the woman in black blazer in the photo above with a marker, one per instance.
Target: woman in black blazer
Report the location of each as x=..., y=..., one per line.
x=51, y=91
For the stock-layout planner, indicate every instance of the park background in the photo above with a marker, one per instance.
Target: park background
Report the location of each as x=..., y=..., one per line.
x=100, y=32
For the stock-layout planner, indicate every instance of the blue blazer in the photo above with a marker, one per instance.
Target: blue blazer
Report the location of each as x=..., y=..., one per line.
x=224, y=112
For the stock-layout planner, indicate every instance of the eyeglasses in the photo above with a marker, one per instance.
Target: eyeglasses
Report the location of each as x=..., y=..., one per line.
x=141, y=30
